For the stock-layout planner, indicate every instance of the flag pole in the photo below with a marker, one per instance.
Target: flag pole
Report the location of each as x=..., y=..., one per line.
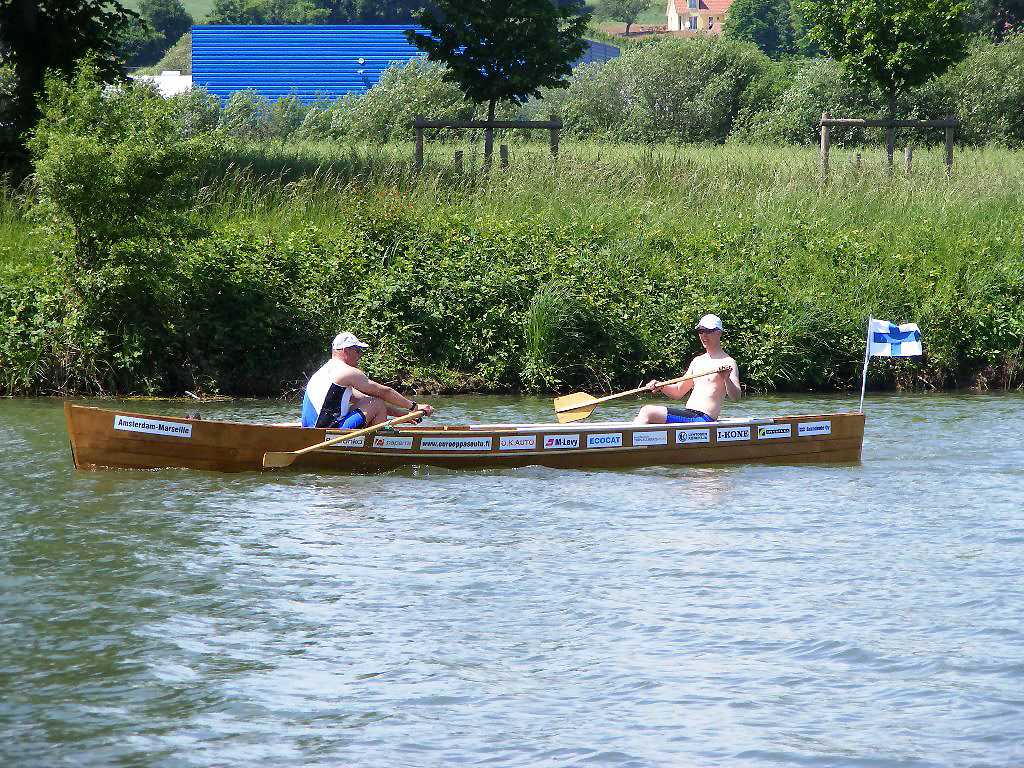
x=864, y=375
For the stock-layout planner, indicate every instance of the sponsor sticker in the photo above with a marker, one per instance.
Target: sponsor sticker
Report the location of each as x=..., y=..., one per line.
x=455, y=443
x=605, y=441
x=774, y=431
x=518, y=443
x=650, y=438
x=554, y=442
x=684, y=436
x=811, y=428
x=352, y=442
x=152, y=426
x=731, y=434
x=399, y=443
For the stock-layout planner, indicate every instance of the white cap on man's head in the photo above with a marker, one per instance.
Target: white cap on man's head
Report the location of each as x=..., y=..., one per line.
x=345, y=340
x=709, y=323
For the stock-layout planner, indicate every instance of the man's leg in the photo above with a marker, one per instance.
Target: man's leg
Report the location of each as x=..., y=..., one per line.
x=374, y=409
x=651, y=414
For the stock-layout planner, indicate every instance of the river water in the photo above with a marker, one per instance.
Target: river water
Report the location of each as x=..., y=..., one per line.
x=865, y=614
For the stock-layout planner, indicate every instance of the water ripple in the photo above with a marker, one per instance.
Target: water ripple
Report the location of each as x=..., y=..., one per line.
x=847, y=615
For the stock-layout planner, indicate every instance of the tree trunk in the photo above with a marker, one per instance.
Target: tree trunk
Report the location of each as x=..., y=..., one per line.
x=628, y=25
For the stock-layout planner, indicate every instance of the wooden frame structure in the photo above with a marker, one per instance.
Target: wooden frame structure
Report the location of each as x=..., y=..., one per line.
x=948, y=124
x=554, y=125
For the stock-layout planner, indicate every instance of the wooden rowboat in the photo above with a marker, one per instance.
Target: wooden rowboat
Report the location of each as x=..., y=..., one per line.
x=110, y=438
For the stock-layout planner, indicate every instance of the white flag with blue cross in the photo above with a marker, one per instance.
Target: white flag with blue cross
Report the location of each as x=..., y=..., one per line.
x=887, y=339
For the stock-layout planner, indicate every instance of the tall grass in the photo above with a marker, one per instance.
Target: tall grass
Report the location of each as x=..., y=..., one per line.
x=22, y=244
x=622, y=186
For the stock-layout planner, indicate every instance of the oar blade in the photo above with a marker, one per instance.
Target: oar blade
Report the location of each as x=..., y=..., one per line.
x=570, y=402
x=574, y=407
x=276, y=459
x=577, y=414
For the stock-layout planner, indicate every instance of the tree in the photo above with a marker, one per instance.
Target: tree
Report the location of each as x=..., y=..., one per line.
x=894, y=45
x=802, y=44
x=168, y=17
x=503, y=50
x=766, y=23
x=996, y=18
x=139, y=45
x=41, y=35
x=623, y=10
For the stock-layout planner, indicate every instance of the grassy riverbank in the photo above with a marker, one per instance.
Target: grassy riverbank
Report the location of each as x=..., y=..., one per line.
x=589, y=271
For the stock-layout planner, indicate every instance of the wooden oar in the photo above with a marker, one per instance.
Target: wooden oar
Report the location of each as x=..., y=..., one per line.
x=285, y=458
x=579, y=405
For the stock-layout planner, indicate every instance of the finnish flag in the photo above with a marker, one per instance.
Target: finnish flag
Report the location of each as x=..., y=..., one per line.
x=887, y=339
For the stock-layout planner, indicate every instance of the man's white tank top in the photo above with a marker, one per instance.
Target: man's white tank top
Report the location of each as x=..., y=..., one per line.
x=323, y=397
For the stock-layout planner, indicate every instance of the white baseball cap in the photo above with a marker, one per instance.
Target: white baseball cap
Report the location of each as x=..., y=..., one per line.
x=709, y=322
x=345, y=340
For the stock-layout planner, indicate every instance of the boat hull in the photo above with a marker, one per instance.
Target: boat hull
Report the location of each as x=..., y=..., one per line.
x=120, y=439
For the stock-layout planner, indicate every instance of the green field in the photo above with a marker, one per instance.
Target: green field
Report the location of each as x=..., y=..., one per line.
x=653, y=16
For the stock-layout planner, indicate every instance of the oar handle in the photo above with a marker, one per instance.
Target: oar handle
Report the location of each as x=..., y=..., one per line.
x=412, y=415
x=606, y=398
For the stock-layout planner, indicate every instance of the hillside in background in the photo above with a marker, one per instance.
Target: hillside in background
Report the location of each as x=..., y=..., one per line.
x=198, y=9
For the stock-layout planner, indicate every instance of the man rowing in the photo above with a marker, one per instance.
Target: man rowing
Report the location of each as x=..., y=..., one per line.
x=707, y=392
x=340, y=395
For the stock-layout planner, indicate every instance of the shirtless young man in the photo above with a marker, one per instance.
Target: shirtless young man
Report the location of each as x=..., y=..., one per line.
x=341, y=395
x=707, y=393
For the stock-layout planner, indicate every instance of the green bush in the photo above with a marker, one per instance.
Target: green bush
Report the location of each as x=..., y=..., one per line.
x=245, y=115
x=818, y=86
x=386, y=111
x=458, y=300
x=986, y=92
x=681, y=91
x=8, y=84
x=113, y=165
x=195, y=112
x=284, y=117
x=318, y=122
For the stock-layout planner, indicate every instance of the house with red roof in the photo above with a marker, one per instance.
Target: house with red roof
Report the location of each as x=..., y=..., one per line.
x=697, y=17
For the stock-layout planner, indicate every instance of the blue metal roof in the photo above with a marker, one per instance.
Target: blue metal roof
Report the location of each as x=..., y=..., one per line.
x=332, y=60
x=308, y=59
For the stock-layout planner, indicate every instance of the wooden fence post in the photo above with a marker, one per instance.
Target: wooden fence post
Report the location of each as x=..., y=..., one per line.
x=856, y=160
x=908, y=156
x=890, y=148
x=488, y=145
x=503, y=151
x=824, y=146
x=458, y=161
x=554, y=139
x=949, y=146
x=418, y=160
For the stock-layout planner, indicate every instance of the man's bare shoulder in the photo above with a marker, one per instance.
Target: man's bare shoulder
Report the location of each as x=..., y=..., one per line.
x=343, y=373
